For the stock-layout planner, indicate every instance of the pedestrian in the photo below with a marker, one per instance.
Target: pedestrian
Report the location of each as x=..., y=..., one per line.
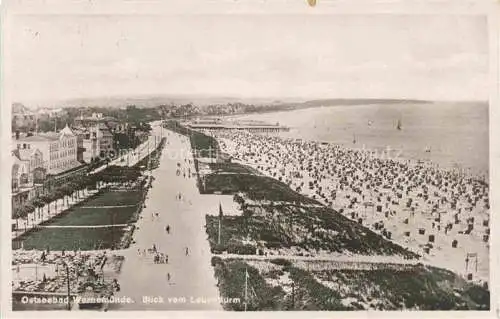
x=166, y=259
x=187, y=251
x=168, y=276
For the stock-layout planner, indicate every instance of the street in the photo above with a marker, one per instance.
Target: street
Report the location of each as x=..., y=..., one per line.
x=191, y=276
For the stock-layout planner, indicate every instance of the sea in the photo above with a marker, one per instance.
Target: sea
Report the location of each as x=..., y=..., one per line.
x=452, y=135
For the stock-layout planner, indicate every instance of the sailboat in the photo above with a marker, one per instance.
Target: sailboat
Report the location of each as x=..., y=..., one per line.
x=399, y=126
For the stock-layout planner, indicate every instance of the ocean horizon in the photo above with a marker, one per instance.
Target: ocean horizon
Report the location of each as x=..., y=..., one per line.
x=449, y=134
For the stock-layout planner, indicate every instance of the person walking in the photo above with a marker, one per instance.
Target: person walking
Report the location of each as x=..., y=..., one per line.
x=187, y=251
x=168, y=277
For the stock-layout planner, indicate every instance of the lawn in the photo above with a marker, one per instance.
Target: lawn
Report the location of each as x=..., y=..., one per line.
x=308, y=228
x=115, y=199
x=422, y=288
x=232, y=168
x=89, y=213
x=281, y=285
x=231, y=282
x=257, y=187
x=95, y=216
x=203, y=145
x=96, y=211
x=72, y=238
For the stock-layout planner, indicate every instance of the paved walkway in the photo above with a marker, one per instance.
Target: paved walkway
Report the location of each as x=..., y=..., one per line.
x=82, y=226
x=115, y=206
x=191, y=276
x=344, y=258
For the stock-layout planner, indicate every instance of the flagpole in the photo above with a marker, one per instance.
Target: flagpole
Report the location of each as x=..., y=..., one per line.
x=218, y=241
x=220, y=221
x=246, y=288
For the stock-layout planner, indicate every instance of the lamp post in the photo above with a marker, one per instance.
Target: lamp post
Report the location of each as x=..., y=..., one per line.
x=69, y=291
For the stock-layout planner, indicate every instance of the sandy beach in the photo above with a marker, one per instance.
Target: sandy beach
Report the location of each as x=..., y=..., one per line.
x=439, y=213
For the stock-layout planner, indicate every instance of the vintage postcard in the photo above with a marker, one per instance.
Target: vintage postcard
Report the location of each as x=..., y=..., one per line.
x=246, y=156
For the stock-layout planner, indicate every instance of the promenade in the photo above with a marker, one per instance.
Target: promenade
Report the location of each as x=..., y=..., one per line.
x=191, y=276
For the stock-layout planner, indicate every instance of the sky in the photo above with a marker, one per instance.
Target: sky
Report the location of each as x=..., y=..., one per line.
x=322, y=56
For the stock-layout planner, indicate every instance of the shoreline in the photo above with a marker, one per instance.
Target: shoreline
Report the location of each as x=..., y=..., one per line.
x=405, y=154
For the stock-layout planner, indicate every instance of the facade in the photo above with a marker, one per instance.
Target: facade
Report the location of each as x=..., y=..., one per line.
x=88, y=141
x=28, y=172
x=59, y=149
x=80, y=135
x=106, y=140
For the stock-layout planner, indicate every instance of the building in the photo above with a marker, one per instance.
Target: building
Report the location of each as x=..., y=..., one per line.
x=106, y=141
x=59, y=149
x=80, y=135
x=88, y=142
x=28, y=173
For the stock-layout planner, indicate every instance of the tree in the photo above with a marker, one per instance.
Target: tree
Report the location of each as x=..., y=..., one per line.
x=38, y=203
x=66, y=191
x=46, y=201
x=58, y=194
x=26, y=209
x=16, y=214
x=80, y=184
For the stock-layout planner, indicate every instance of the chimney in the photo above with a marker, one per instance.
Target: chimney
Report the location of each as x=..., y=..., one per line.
x=17, y=134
